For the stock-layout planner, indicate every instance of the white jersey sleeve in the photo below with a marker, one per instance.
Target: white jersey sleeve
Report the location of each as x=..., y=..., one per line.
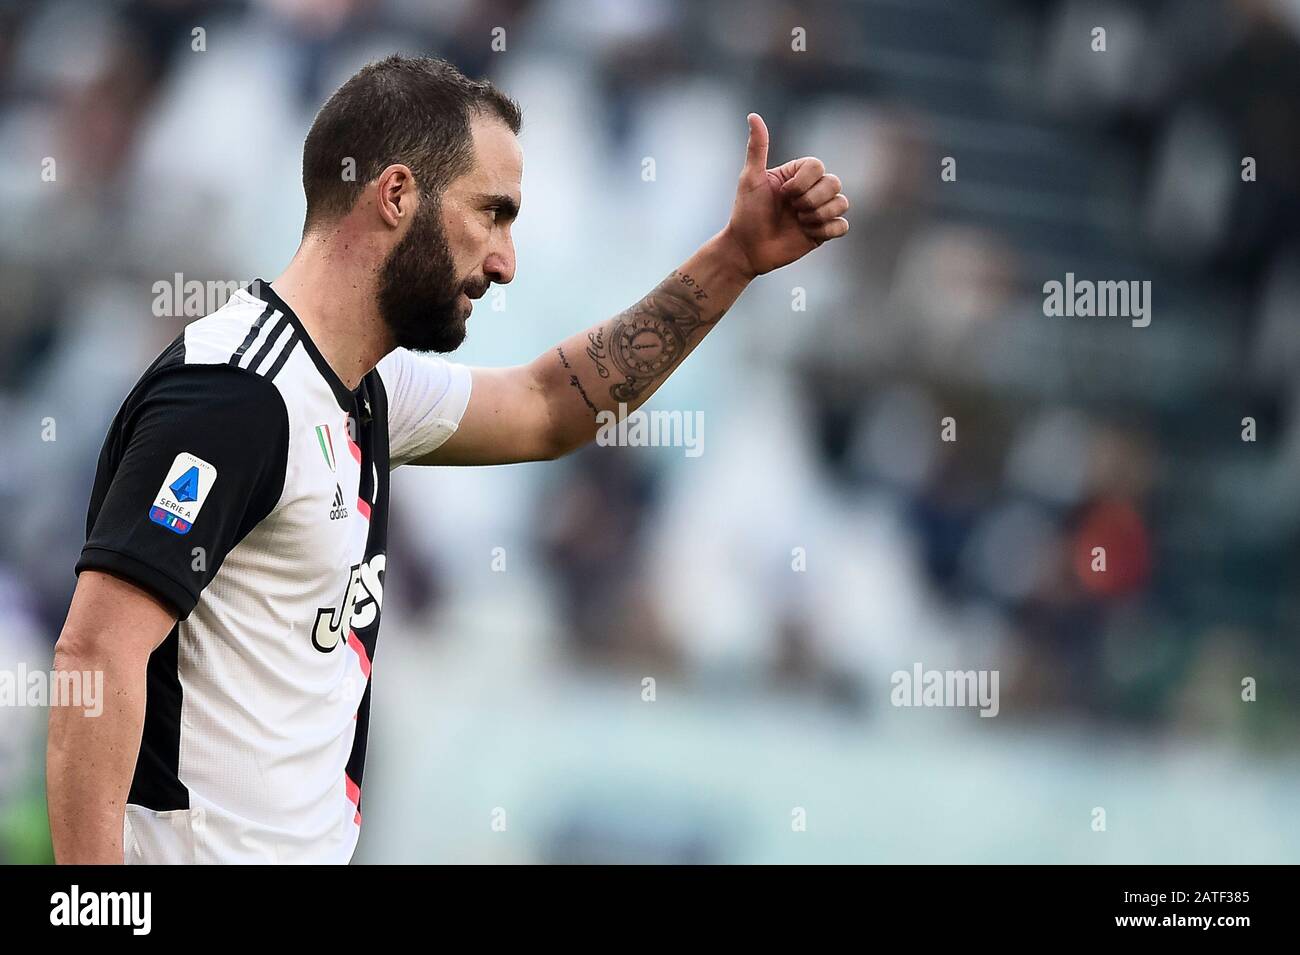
x=427, y=395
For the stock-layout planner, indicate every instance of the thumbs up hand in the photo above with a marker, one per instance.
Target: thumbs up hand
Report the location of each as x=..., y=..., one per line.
x=782, y=214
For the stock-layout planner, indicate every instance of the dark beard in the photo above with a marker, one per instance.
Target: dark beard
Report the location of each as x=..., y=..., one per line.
x=418, y=288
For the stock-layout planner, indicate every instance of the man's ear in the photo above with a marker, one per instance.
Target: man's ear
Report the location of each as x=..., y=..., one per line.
x=395, y=193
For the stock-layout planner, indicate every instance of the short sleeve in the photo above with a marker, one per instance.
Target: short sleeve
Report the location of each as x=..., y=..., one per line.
x=196, y=460
x=427, y=396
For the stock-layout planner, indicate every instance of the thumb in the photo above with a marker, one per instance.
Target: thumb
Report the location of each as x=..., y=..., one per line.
x=755, y=169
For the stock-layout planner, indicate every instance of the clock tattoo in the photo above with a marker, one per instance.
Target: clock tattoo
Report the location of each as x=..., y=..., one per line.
x=647, y=340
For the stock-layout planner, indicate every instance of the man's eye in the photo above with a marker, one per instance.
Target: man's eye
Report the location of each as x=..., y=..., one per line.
x=493, y=210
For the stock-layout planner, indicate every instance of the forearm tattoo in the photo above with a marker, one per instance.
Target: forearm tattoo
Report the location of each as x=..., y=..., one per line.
x=575, y=383
x=648, y=339
x=596, y=351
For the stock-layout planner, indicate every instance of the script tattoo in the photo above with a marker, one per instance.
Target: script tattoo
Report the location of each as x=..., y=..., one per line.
x=648, y=339
x=573, y=380
x=575, y=383
x=596, y=351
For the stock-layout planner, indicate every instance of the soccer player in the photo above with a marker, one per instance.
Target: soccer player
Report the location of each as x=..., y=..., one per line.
x=231, y=583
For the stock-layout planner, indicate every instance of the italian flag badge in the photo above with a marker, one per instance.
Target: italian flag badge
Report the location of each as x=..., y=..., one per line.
x=326, y=444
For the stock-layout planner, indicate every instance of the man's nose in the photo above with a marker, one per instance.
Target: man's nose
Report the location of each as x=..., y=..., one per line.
x=500, y=264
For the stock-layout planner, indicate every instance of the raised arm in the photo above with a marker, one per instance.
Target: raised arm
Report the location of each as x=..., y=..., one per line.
x=549, y=407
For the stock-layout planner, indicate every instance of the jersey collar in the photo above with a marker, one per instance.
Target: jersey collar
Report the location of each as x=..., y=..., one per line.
x=346, y=397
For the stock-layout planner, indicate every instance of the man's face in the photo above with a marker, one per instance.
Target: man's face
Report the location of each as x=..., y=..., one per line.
x=455, y=247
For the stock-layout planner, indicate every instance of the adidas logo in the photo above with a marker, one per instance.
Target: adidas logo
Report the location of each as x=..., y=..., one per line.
x=339, y=511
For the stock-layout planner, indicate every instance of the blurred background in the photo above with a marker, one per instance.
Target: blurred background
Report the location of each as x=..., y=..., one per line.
x=827, y=536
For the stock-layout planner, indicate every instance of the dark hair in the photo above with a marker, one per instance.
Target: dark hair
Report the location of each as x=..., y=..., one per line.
x=409, y=109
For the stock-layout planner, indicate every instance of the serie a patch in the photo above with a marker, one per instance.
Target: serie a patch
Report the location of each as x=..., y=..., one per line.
x=183, y=492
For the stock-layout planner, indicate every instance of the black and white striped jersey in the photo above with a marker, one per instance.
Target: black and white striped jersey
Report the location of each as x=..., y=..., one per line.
x=243, y=484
